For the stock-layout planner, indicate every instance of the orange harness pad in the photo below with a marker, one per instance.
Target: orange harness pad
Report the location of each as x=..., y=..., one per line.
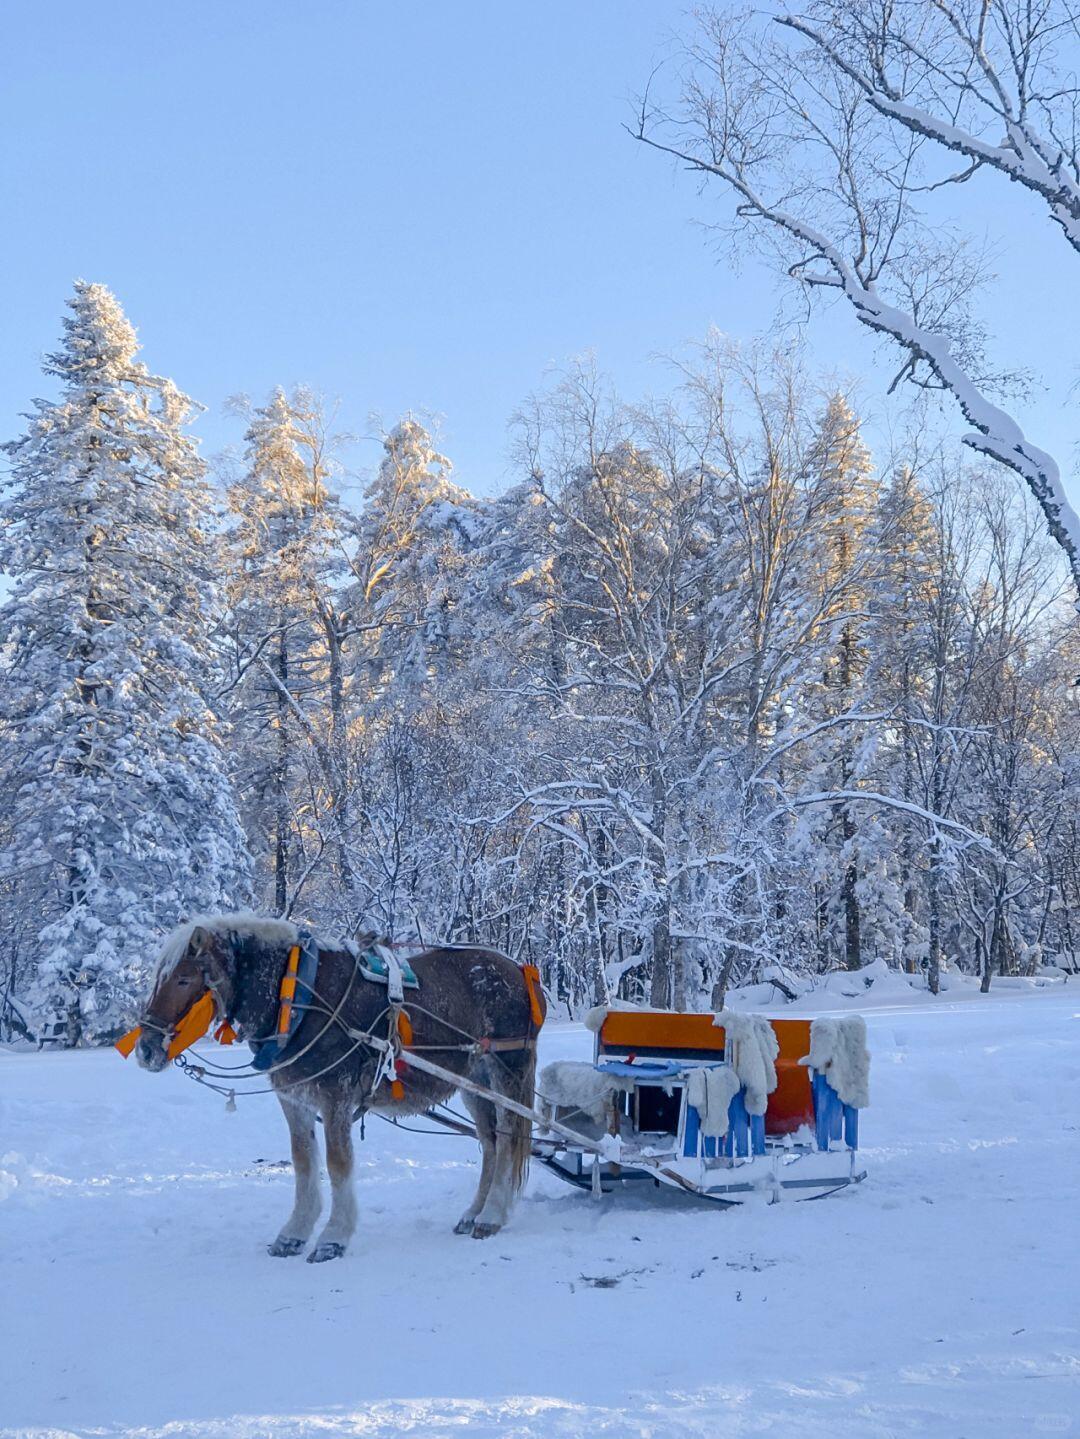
x=532, y=984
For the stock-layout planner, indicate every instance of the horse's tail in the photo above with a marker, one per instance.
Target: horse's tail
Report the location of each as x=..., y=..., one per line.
x=520, y=1127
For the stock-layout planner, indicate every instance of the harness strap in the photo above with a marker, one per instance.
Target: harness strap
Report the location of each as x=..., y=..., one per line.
x=495, y=1046
x=287, y=991
x=401, y=1036
x=395, y=975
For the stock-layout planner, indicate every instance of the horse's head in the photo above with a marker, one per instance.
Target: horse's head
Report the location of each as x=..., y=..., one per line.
x=193, y=963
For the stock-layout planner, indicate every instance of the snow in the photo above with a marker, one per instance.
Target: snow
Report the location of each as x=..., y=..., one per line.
x=876, y=984
x=936, y=1299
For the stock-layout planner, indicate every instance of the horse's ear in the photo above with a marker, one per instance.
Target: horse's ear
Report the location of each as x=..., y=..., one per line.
x=199, y=935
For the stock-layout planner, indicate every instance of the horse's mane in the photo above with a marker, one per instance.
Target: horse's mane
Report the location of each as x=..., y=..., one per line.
x=241, y=925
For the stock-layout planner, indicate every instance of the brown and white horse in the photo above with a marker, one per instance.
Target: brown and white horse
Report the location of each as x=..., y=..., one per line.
x=464, y=995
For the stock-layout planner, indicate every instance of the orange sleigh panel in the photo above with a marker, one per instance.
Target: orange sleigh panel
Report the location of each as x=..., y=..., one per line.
x=657, y=1031
x=791, y=1102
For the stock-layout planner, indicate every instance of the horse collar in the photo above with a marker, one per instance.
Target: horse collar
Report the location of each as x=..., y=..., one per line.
x=296, y=993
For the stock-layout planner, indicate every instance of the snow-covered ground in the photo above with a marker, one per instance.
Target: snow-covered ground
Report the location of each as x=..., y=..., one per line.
x=939, y=1298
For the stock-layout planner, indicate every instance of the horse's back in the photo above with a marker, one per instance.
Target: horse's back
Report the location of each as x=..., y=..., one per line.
x=474, y=986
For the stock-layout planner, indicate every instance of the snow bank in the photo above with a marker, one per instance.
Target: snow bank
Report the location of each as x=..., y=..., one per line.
x=878, y=983
x=838, y=1051
x=711, y=1091
x=752, y=1048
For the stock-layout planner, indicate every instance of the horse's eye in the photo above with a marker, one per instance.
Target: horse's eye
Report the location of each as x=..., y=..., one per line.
x=183, y=983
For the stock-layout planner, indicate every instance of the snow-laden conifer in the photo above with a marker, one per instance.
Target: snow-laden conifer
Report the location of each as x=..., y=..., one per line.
x=120, y=813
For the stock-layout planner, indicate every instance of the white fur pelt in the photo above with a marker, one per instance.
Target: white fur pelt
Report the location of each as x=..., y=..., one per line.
x=751, y=1046
x=572, y=1084
x=711, y=1091
x=242, y=922
x=838, y=1051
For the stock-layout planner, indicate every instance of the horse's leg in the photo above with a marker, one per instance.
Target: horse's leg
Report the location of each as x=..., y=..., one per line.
x=297, y=1229
x=513, y=1078
x=337, y=1117
x=496, y=1208
x=485, y=1119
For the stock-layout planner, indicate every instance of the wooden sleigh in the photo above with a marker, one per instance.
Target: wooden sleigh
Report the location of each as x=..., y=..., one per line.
x=804, y=1146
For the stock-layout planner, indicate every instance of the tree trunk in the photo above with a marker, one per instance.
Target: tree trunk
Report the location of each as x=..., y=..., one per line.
x=661, y=988
x=849, y=896
x=993, y=953
x=933, y=887
x=282, y=817
x=339, y=752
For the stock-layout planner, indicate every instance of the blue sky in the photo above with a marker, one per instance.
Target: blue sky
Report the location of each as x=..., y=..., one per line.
x=409, y=205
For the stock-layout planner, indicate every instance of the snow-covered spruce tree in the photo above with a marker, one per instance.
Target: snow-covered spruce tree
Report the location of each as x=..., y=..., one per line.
x=914, y=569
x=415, y=526
x=841, y=460
x=420, y=727
x=289, y=636
x=121, y=818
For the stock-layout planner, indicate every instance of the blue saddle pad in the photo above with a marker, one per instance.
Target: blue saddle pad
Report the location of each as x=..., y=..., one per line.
x=373, y=966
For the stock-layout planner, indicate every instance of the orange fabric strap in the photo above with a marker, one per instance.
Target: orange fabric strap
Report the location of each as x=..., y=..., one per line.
x=193, y=1026
x=532, y=984
x=287, y=993
x=127, y=1042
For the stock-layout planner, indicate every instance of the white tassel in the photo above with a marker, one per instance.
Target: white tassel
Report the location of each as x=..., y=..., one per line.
x=597, y=1192
x=230, y=1103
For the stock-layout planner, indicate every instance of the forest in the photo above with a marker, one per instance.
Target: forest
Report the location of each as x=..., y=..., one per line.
x=709, y=696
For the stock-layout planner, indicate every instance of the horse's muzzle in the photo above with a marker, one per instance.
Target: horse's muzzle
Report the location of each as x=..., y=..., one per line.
x=151, y=1050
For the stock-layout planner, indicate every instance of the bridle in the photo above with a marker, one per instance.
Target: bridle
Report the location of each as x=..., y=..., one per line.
x=182, y=1033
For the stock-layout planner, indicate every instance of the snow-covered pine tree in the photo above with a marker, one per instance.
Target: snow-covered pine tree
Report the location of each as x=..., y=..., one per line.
x=421, y=728
x=288, y=632
x=901, y=678
x=121, y=819
x=842, y=461
x=415, y=526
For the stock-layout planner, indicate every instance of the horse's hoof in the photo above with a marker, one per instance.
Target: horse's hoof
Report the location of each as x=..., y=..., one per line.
x=485, y=1231
x=464, y=1226
x=322, y=1252
x=285, y=1248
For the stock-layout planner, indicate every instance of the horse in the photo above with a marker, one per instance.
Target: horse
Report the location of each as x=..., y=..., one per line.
x=474, y=1009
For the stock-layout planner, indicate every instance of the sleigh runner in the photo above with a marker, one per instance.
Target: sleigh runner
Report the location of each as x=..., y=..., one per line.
x=725, y=1107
